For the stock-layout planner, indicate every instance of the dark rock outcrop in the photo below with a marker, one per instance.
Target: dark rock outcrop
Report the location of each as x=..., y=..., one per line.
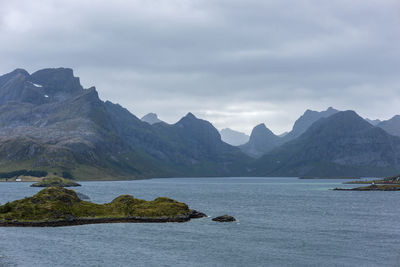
x=224, y=218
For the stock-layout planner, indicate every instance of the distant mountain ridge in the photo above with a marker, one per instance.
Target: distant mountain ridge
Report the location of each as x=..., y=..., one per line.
x=373, y=122
x=48, y=121
x=343, y=144
x=263, y=140
x=151, y=118
x=306, y=120
x=391, y=126
x=233, y=137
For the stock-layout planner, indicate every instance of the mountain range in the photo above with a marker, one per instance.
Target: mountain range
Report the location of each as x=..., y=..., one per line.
x=48, y=121
x=263, y=140
x=339, y=145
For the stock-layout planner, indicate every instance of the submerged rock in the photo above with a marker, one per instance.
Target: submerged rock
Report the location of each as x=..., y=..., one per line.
x=224, y=218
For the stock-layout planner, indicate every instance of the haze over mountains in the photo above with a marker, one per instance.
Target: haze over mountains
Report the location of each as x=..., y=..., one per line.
x=233, y=137
x=48, y=121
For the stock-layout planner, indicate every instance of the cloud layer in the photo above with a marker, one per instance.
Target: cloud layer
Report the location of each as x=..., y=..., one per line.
x=235, y=63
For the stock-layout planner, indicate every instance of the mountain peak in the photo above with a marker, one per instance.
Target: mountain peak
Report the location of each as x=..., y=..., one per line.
x=260, y=132
x=151, y=118
x=19, y=71
x=57, y=80
x=261, y=141
x=343, y=121
x=190, y=115
x=306, y=120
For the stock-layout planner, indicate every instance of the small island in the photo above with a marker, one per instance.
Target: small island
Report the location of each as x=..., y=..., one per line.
x=55, y=181
x=57, y=206
x=373, y=187
x=395, y=179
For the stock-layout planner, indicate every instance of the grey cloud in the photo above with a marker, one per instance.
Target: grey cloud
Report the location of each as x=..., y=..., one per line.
x=236, y=63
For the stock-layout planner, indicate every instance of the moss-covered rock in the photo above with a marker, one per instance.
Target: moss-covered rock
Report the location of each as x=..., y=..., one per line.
x=57, y=206
x=55, y=181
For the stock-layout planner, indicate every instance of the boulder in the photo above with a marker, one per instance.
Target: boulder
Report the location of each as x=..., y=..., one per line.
x=224, y=218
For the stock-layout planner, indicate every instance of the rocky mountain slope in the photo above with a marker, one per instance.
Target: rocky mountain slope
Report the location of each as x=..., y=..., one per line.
x=391, y=126
x=49, y=122
x=305, y=121
x=343, y=144
x=262, y=140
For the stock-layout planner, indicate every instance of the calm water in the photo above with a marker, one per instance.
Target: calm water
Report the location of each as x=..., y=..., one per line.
x=281, y=222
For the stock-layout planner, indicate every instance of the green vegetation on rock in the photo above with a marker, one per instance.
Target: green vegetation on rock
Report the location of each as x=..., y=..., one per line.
x=55, y=181
x=54, y=204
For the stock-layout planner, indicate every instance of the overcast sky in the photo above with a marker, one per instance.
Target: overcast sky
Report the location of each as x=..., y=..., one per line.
x=236, y=63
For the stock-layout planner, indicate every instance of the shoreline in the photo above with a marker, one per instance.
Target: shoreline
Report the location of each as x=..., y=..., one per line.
x=193, y=214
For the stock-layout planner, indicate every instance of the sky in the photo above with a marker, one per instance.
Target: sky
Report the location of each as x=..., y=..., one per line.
x=236, y=63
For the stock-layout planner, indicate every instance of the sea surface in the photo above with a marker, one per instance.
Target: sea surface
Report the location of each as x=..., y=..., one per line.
x=280, y=222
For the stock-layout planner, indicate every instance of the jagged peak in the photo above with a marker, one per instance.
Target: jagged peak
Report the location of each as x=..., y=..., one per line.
x=190, y=115
x=260, y=131
x=260, y=126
